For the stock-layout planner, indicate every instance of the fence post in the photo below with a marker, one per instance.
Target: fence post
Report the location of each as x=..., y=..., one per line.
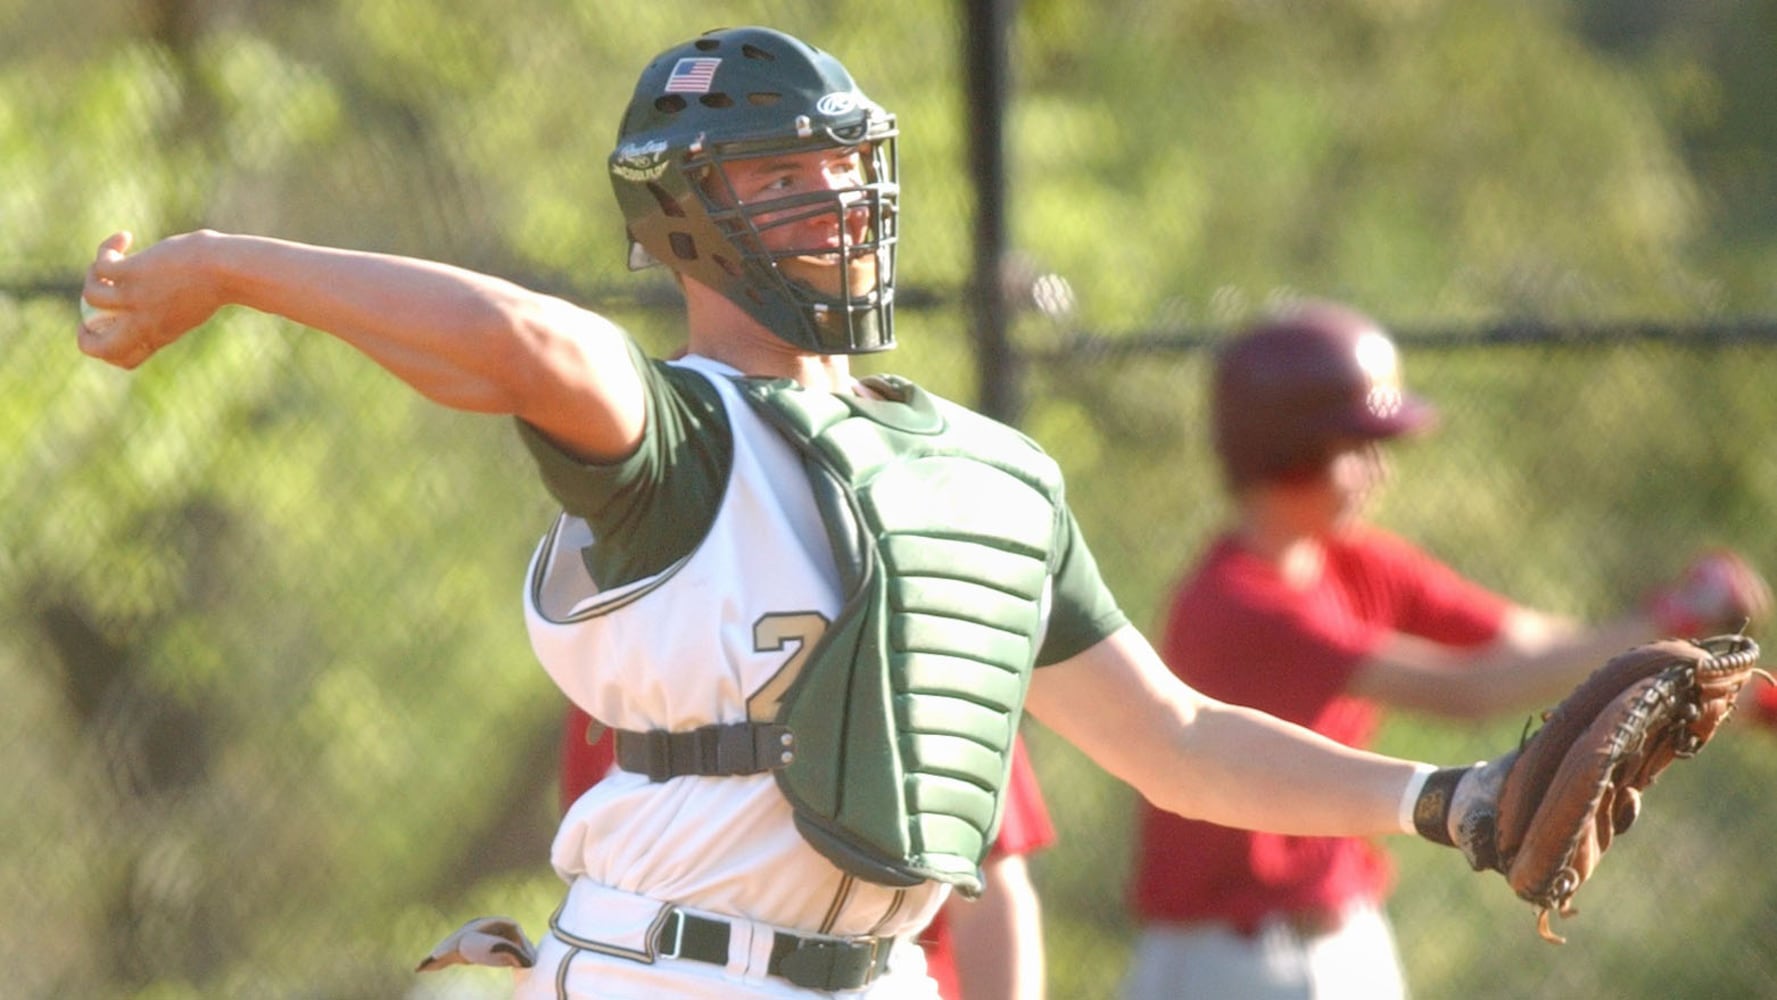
x=998, y=369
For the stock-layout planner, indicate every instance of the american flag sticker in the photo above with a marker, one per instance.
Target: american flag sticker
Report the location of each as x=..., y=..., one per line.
x=692, y=76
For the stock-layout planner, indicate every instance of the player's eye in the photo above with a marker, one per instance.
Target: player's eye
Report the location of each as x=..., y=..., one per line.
x=847, y=165
x=767, y=185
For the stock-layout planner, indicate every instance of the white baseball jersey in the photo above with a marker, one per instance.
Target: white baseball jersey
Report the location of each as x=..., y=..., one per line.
x=691, y=646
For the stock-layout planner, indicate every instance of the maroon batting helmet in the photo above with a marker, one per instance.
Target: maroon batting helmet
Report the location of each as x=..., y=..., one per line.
x=1290, y=388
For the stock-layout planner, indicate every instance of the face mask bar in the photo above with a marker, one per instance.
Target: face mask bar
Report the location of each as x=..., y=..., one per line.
x=846, y=319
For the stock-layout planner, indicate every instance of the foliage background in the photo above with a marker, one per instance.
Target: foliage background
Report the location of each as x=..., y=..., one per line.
x=269, y=713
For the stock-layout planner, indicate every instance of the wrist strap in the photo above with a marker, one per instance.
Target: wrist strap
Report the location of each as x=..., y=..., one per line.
x=1431, y=807
x=1410, y=796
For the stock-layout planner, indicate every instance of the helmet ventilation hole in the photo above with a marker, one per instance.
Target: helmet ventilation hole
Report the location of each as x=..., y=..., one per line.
x=668, y=205
x=755, y=52
x=716, y=100
x=684, y=247
x=764, y=98
x=670, y=104
x=731, y=267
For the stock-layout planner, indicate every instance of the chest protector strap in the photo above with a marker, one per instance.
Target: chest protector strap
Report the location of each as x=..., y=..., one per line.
x=946, y=528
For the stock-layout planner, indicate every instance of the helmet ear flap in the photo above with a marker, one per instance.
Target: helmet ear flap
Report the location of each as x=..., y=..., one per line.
x=639, y=256
x=669, y=206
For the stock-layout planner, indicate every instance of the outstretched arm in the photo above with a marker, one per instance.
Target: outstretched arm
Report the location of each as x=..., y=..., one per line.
x=1536, y=659
x=466, y=340
x=1210, y=760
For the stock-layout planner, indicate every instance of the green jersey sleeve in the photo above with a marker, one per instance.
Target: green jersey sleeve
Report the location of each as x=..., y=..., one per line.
x=650, y=508
x=1084, y=611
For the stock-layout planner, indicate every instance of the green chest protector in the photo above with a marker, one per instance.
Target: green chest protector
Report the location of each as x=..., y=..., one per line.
x=946, y=528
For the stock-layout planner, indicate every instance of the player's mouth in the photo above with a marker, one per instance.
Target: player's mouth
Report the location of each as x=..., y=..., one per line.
x=821, y=272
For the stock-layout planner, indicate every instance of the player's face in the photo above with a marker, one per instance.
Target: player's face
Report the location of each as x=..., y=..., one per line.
x=1355, y=472
x=828, y=221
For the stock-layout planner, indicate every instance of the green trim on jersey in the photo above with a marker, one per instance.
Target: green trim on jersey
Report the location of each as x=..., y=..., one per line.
x=652, y=508
x=1085, y=613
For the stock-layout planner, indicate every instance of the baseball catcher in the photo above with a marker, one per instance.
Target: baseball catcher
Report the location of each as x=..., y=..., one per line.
x=1544, y=814
x=814, y=608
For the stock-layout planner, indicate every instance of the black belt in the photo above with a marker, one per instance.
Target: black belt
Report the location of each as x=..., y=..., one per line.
x=739, y=748
x=811, y=963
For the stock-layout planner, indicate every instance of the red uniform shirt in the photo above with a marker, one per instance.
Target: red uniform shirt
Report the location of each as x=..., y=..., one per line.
x=1766, y=703
x=1237, y=633
x=1024, y=829
x=583, y=762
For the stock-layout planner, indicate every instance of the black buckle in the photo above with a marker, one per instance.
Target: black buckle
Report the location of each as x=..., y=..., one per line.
x=739, y=748
x=671, y=938
x=811, y=963
x=753, y=747
x=829, y=965
x=695, y=939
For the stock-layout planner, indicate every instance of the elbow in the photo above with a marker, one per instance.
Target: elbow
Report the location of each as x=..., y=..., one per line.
x=517, y=351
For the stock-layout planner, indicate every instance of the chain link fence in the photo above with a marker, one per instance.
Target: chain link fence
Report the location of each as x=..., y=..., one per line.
x=269, y=714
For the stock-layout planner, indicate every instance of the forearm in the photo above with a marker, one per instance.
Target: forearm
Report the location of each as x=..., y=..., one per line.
x=1258, y=772
x=466, y=340
x=458, y=337
x=1541, y=658
x=1536, y=660
x=1209, y=760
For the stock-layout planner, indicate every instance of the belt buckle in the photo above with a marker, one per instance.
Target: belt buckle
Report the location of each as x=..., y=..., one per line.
x=820, y=964
x=676, y=924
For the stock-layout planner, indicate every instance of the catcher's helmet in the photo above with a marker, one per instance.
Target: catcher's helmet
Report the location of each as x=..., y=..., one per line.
x=1291, y=388
x=749, y=92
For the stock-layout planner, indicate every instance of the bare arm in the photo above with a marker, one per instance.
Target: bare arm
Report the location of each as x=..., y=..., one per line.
x=1537, y=659
x=465, y=340
x=998, y=939
x=1209, y=760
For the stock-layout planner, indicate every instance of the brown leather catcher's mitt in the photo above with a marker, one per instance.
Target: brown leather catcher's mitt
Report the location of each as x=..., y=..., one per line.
x=1577, y=781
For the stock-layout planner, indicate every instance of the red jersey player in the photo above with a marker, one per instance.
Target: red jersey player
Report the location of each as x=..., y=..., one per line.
x=1301, y=609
